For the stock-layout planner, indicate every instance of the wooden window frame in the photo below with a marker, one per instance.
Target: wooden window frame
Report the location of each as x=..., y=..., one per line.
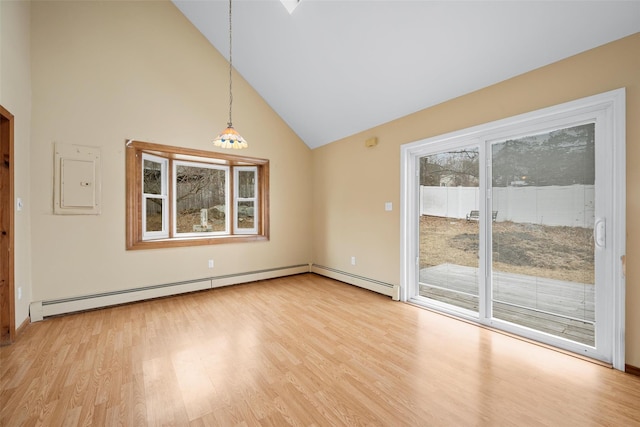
x=134, y=164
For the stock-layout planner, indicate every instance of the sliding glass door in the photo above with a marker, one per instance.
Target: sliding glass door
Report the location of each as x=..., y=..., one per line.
x=542, y=247
x=449, y=227
x=519, y=225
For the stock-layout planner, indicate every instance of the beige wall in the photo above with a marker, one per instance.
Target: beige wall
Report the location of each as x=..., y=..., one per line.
x=351, y=182
x=15, y=96
x=104, y=72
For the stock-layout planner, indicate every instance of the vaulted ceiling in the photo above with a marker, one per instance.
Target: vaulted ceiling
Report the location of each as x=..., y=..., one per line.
x=333, y=68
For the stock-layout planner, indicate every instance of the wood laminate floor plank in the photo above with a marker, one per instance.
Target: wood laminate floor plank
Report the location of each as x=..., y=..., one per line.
x=303, y=351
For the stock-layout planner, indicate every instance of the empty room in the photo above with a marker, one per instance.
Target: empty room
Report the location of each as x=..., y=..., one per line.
x=319, y=213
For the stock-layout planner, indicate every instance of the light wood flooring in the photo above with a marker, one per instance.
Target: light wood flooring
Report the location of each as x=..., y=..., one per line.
x=302, y=350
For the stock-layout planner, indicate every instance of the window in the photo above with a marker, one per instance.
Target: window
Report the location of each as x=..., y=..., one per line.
x=246, y=200
x=154, y=197
x=184, y=197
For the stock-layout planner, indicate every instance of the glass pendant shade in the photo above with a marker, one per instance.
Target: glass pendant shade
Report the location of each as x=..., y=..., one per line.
x=230, y=138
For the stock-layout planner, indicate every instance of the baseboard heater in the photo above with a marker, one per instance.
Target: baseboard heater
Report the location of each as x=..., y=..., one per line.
x=38, y=310
x=363, y=282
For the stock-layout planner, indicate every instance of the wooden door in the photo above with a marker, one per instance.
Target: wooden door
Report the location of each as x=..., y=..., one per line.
x=7, y=303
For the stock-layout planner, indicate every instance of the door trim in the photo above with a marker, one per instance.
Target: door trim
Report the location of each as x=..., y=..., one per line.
x=7, y=299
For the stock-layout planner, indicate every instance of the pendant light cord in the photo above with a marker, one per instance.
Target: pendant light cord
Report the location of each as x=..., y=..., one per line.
x=230, y=68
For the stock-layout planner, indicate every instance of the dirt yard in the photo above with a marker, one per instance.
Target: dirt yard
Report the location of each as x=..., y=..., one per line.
x=563, y=253
x=187, y=221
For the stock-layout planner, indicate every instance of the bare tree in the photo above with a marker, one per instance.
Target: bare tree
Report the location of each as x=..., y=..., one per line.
x=453, y=168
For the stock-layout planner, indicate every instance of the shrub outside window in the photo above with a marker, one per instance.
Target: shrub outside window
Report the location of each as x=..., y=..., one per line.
x=183, y=197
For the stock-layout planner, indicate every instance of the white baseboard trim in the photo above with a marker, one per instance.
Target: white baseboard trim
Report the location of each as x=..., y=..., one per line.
x=363, y=282
x=41, y=309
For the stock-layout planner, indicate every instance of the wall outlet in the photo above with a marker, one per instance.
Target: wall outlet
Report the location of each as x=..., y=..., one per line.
x=19, y=293
x=210, y=263
x=353, y=260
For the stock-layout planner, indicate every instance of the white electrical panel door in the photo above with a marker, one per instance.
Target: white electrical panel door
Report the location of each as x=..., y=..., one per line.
x=77, y=180
x=77, y=184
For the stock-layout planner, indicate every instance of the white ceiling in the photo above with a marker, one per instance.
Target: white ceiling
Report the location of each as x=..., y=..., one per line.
x=337, y=67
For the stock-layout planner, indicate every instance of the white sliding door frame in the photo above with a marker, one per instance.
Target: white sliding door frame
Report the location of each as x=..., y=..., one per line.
x=607, y=111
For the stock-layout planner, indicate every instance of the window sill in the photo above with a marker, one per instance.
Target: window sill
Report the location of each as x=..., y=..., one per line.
x=178, y=242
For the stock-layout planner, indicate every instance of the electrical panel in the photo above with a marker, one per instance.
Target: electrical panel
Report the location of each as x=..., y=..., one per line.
x=77, y=181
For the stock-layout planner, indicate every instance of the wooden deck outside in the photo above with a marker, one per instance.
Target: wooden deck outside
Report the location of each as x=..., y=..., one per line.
x=564, y=309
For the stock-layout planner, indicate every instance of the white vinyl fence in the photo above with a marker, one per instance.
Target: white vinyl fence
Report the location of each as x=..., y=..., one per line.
x=571, y=205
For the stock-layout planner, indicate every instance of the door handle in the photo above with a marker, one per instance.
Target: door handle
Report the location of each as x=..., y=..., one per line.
x=599, y=233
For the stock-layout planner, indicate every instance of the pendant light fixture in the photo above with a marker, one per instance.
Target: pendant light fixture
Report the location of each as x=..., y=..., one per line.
x=230, y=138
